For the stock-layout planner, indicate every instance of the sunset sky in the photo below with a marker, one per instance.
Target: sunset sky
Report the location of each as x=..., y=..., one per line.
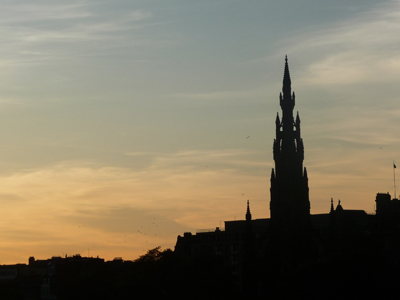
x=124, y=123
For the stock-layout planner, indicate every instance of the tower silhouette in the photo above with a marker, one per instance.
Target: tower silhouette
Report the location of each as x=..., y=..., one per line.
x=290, y=205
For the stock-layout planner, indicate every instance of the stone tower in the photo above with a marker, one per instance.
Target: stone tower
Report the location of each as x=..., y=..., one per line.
x=290, y=205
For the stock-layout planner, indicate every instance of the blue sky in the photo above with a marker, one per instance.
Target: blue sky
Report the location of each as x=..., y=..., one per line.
x=124, y=123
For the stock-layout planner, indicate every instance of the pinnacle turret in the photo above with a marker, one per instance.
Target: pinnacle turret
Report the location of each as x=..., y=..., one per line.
x=277, y=120
x=248, y=214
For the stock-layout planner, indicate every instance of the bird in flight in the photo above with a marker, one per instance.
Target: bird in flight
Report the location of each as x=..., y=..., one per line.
x=247, y=137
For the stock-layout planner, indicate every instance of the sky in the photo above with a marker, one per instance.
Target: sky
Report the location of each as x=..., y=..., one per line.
x=124, y=124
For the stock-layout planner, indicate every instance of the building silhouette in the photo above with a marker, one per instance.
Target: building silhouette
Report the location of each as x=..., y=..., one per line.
x=290, y=204
x=264, y=254
x=342, y=254
x=287, y=237
x=291, y=230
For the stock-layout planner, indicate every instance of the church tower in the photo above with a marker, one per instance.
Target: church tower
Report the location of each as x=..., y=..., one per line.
x=290, y=205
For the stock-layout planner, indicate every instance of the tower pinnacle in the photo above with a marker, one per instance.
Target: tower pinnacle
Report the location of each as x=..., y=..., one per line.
x=286, y=78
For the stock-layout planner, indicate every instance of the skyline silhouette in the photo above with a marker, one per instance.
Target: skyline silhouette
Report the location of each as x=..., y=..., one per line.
x=117, y=115
x=286, y=256
x=281, y=257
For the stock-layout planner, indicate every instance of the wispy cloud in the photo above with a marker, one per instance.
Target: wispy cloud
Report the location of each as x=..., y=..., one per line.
x=27, y=12
x=222, y=95
x=363, y=49
x=34, y=30
x=179, y=192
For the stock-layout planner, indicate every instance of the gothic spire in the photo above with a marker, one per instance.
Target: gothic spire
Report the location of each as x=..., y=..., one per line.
x=248, y=214
x=290, y=204
x=286, y=86
x=286, y=98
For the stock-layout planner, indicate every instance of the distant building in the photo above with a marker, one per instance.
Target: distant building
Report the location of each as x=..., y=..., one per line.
x=229, y=244
x=387, y=212
x=40, y=279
